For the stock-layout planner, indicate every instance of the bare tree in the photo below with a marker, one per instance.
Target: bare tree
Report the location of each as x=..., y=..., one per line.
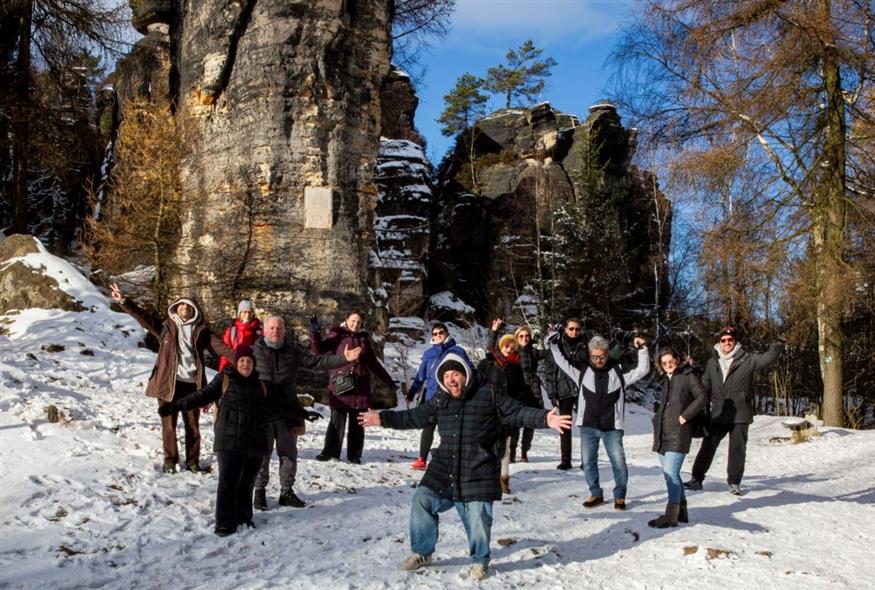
x=780, y=78
x=416, y=23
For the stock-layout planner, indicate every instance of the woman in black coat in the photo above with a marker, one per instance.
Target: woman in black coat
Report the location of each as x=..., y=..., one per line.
x=240, y=434
x=682, y=398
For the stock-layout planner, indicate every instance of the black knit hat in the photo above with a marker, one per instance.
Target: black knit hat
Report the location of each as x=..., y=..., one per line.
x=452, y=362
x=244, y=351
x=728, y=331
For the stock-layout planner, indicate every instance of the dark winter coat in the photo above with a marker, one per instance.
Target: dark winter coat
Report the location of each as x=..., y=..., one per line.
x=244, y=412
x=530, y=357
x=240, y=333
x=162, y=381
x=465, y=466
x=732, y=400
x=558, y=384
x=426, y=375
x=681, y=395
x=338, y=339
x=507, y=378
x=280, y=366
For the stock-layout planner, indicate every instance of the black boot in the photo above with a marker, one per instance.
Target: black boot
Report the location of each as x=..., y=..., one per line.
x=669, y=519
x=683, y=515
x=289, y=498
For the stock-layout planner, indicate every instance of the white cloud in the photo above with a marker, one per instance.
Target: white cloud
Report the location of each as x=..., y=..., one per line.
x=568, y=20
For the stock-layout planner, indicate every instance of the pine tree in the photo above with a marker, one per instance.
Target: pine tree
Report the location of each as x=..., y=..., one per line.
x=462, y=107
x=522, y=76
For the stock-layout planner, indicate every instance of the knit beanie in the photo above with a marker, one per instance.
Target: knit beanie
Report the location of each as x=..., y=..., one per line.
x=507, y=338
x=244, y=351
x=245, y=305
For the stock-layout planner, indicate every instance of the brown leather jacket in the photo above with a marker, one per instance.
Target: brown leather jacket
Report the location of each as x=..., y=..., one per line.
x=162, y=381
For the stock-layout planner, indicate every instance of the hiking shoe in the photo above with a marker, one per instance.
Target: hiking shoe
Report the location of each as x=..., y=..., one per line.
x=169, y=467
x=564, y=466
x=194, y=468
x=415, y=561
x=225, y=531
x=693, y=484
x=323, y=457
x=619, y=504
x=355, y=460
x=259, y=500
x=478, y=571
x=593, y=501
x=290, y=498
x=419, y=464
x=735, y=489
x=524, y=458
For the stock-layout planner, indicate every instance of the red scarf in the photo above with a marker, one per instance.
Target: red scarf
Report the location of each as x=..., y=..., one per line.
x=502, y=361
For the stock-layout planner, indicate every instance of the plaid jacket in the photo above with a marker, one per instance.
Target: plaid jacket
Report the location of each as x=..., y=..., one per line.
x=465, y=466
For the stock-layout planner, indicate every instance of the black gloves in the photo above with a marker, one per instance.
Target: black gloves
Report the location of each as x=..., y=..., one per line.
x=311, y=416
x=167, y=410
x=314, y=324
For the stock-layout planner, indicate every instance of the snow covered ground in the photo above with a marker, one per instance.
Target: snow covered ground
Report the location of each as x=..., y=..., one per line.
x=83, y=502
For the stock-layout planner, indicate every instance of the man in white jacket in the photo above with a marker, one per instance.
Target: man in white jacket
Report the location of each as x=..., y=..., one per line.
x=600, y=408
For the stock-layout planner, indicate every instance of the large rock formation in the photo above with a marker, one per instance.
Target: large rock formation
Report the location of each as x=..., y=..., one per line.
x=280, y=102
x=492, y=217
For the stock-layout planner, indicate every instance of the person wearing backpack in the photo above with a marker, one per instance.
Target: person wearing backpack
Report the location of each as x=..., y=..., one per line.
x=244, y=330
x=241, y=436
x=464, y=471
x=682, y=398
x=600, y=409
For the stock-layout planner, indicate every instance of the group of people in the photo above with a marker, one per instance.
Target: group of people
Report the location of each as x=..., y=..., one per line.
x=482, y=414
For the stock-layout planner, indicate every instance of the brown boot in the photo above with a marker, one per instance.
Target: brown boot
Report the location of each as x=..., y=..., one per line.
x=683, y=515
x=505, y=484
x=669, y=519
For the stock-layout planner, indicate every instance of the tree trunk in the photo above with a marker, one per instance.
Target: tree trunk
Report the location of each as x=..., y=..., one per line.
x=830, y=220
x=21, y=121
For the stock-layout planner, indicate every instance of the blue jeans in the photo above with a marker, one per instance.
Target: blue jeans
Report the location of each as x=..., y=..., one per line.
x=476, y=518
x=589, y=449
x=671, y=469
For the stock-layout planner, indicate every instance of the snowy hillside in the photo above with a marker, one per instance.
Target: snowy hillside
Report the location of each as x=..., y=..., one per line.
x=83, y=502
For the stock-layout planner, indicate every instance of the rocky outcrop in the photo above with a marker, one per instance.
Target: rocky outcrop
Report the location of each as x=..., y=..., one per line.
x=492, y=218
x=402, y=233
x=279, y=102
x=22, y=286
x=399, y=104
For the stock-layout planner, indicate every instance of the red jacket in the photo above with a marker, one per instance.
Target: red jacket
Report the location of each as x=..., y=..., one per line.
x=240, y=334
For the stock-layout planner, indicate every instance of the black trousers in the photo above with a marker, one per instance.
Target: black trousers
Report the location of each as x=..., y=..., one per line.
x=566, y=407
x=528, y=435
x=237, y=472
x=426, y=439
x=737, y=451
x=334, y=435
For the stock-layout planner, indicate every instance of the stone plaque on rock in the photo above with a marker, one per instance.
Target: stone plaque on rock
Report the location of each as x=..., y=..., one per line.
x=318, y=207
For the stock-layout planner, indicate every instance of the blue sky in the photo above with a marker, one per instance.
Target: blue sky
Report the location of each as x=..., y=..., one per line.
x=579, y=34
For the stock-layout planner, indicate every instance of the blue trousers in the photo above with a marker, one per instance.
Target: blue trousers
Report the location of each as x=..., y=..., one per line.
x=589, y=450
x=476, y=518
x=671, y=469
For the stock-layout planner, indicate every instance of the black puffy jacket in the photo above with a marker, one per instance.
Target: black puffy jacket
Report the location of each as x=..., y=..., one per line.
x=559, y=385
x=244, y=411
x=682, y=395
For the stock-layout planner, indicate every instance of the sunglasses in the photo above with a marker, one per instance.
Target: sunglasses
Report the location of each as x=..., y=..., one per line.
x=573, y=329
x=438, y=332
x=728, y=339
x=524, y=337
x=598, y=357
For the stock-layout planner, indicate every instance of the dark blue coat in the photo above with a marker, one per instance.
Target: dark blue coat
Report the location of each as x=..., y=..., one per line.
x=431, y=358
